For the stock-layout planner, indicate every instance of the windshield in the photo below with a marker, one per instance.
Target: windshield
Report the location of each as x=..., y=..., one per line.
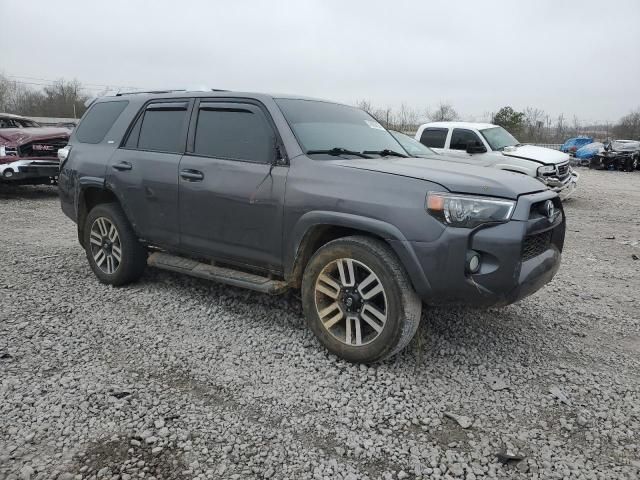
x=323, y=126
x=8, y=122
x=411, y=145
x=498, y=138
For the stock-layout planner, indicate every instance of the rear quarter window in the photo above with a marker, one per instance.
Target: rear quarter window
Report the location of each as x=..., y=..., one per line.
x=434, y=137
x=98, y=121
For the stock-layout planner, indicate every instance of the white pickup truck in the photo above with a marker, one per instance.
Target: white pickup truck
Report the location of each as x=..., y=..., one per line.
x=492, y=146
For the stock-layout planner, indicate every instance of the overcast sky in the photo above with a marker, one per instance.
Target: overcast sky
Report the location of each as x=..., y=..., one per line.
x=580, y=57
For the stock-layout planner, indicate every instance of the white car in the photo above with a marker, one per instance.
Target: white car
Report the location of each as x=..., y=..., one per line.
x=492, y=146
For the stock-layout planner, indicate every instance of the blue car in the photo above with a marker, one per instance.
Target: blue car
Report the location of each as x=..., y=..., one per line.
x=573, y=144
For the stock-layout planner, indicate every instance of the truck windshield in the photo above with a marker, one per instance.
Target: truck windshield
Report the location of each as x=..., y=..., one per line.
x=323, y=126
x=498, y=138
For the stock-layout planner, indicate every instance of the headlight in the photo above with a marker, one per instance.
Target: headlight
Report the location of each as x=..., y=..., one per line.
x=546, y=170
x=468, y=211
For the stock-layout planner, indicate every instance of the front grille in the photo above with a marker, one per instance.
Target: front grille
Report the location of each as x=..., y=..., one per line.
x=563, y=169
x=44, y=148
x=536, y=244
x=537, y=210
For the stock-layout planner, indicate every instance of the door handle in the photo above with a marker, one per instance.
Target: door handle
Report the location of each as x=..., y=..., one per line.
x=192, y=175
x=122, y=166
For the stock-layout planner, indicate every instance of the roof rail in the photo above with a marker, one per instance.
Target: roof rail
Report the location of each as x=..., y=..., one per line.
x=119, y=94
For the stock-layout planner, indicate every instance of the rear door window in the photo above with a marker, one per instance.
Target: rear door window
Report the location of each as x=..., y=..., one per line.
x=434, y=137
x=160, y=128
x=234, y=131
x=461, y=137
x=98, y=121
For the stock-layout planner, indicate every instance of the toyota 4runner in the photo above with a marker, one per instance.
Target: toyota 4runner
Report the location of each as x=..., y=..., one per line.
x=274, y=192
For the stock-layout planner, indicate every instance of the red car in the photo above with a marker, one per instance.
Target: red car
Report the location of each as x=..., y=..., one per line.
x=29, y=152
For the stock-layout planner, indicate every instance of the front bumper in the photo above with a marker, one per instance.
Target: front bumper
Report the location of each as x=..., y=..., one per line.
x=511, y=268
x=28, y=170
x=564, y=187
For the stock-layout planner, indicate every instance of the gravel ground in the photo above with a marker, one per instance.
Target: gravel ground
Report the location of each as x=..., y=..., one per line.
x=180, y=378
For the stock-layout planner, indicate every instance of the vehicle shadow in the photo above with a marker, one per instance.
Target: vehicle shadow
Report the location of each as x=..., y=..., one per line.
x=465, y=336
x=27, y=192
x=471, y=337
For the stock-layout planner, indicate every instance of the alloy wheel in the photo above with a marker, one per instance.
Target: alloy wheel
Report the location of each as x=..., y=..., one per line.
x=351, y=302
x=106, y=248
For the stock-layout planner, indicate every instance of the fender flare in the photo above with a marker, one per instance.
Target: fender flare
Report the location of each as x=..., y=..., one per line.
x=386, y=231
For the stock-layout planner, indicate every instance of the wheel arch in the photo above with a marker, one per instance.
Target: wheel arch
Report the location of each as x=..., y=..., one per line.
x=315, y=229
x=90, y=195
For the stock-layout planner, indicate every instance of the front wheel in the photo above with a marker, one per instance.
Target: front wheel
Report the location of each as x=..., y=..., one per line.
x=358, y=300
x=113, y=250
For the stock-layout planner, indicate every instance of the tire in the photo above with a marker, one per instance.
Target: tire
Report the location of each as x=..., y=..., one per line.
x=132, y=255
x=370, y=326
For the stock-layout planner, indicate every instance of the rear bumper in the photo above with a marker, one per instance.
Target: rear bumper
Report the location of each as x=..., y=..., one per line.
x=509, y=269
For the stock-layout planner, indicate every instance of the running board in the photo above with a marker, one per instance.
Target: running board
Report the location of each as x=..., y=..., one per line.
x=228, y=276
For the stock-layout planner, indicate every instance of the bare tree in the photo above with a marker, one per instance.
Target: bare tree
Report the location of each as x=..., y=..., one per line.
x=560, y=128
x=444, y=112
x=62, y=98
x=629, y=126
x=365, y=105
x=576, y=125
x=533, y=125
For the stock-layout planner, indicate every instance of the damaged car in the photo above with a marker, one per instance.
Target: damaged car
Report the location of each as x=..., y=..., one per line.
x=488, y=145
x=28, y=151
x=621, y=155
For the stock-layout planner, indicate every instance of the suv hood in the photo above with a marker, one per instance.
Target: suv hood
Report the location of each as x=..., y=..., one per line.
x=455, y=177
x=540, y=155
x=19, y=136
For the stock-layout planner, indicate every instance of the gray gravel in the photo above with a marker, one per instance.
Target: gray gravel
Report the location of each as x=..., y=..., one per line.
x=179, y=378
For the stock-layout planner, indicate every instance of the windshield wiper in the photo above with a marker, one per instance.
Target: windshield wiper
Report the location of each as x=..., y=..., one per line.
x=386, y=153
x=339, y=151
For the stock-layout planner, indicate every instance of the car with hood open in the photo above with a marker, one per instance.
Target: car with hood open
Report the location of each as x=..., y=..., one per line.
x=28, y=151
x=487, y=145
x=281, y=192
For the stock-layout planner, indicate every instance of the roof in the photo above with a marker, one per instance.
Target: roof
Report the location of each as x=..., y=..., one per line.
x=213, y=93
x=476, y=125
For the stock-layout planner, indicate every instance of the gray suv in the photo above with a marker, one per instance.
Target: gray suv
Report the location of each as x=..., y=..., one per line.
x=274, y=192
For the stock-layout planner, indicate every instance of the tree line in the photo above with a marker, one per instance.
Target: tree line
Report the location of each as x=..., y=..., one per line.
x=66, y=98
x=531, y=125
x=62, y=98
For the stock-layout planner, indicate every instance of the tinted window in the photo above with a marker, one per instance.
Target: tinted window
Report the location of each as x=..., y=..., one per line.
x=460, y=138
x=434, y=137
x=237, y=133
x=132, y=141
x=162, y=130
x=98, y=121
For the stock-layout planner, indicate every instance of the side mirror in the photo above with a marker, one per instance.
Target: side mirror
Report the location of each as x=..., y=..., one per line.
x=475, y=147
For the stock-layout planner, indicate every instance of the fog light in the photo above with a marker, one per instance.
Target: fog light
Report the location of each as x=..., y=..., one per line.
x=8, y=173
x=473, y=262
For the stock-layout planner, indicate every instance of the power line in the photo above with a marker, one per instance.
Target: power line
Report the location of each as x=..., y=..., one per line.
x=51, y=82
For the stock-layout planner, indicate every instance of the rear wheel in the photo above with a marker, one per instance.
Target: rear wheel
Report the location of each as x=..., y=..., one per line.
x=113, y=250
x=358, y=300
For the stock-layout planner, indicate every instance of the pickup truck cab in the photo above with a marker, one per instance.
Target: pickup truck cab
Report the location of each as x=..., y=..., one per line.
x=281, y=192
x=487, y=145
